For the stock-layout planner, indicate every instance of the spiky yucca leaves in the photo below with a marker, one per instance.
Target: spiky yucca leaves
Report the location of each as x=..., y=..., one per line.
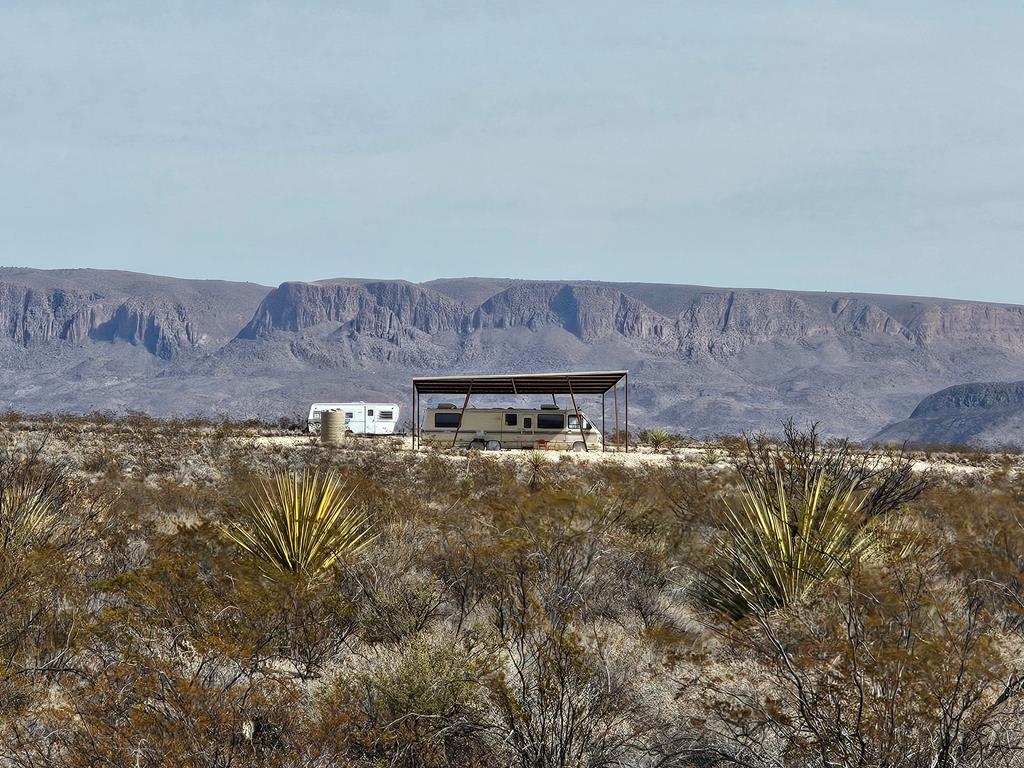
x=776, y=548
x=537, y=464
x=659, y=439
x=25, y=513
x=301, y=524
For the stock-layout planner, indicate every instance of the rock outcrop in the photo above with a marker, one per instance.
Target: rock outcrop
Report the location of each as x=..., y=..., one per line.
x=987, y=414
x=969, y=398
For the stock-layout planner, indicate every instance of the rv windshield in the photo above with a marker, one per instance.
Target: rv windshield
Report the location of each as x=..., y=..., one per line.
x=574, y=423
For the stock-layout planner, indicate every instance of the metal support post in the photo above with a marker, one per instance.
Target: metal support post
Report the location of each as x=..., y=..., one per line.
x=462, y=414
x=579, y=418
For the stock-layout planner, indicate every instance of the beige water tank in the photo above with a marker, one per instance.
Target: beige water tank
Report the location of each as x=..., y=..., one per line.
x=332, y=427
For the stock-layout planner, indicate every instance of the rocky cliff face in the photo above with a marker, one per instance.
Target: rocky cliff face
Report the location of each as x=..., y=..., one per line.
x=383, y=310
x=164, y=330
x=702, y=323
x=589, y=312
x=30, y=317
x=970, y=323
x=164, y=318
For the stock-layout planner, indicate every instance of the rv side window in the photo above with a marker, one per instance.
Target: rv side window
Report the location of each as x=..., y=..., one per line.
x=527, y=422
x=511, y=419
x=386, y=416
x=550, y=421
x=348, y=414
x=369, y=412
x=447, y=419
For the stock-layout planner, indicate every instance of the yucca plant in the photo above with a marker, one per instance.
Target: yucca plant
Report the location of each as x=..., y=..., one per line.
x=537, y=464
x=775, y=548
x=24, y=514
x=301, y=524
x=658, y=439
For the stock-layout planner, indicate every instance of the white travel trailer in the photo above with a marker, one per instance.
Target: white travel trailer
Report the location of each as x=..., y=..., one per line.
x=545, y=427
x=360, y=418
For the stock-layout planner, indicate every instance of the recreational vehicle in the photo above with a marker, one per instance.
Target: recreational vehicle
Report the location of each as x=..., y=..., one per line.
x=360, y=418
x=546, y=427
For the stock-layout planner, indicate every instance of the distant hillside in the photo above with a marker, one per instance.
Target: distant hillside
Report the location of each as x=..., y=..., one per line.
x=977, y=414
x=703, y=360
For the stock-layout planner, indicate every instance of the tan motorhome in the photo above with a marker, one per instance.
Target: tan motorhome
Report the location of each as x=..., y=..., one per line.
x=546, y=427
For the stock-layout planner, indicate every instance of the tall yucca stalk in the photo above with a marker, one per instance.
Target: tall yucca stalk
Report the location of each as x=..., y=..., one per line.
x=301, y=524
x=775, y=549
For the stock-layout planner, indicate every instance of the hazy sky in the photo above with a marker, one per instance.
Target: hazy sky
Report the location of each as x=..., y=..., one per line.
x=834, y=146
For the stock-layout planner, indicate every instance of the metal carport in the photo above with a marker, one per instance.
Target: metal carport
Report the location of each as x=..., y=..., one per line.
x=571, y=383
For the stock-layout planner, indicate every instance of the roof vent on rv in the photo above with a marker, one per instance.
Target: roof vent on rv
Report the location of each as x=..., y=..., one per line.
x=550, y=407
x=449, y=406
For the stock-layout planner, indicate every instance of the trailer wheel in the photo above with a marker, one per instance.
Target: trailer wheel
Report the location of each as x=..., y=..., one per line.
x=578, y=447
x=476, y=445
x=493, y=445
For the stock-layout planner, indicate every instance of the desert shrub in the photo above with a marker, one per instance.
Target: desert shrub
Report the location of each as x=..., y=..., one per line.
x=891, y=665
x=887, y=480
x=559, y=699
x=422, y=705
x=500, y=618
x=154, y=710
x=692, y=495
x=51, y=530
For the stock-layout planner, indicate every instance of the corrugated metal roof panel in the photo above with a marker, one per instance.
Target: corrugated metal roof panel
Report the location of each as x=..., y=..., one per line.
x=577, y=382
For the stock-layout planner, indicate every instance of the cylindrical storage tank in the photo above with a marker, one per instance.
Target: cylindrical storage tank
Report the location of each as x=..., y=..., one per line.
x=332, y=427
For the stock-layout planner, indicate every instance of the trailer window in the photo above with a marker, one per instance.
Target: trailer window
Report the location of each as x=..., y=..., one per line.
x=446, y=420
x=386, y=416
x=550, y=421
x=511, y=419
x=527, y=422
x=370, y=412
x=348, y=414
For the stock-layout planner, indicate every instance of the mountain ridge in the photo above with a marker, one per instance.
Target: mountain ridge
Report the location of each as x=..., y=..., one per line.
x=704, y=359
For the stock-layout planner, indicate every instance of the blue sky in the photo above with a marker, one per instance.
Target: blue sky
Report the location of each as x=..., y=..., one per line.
x=825, y=146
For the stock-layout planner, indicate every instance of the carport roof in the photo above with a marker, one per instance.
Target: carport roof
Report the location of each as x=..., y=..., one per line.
x=575, y=382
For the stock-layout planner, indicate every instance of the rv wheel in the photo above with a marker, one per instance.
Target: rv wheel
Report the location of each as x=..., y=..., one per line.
x=476, y=445
x=578, y=447
x=493, y=445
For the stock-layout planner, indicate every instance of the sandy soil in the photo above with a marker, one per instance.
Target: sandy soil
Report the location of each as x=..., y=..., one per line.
x=700, y=455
